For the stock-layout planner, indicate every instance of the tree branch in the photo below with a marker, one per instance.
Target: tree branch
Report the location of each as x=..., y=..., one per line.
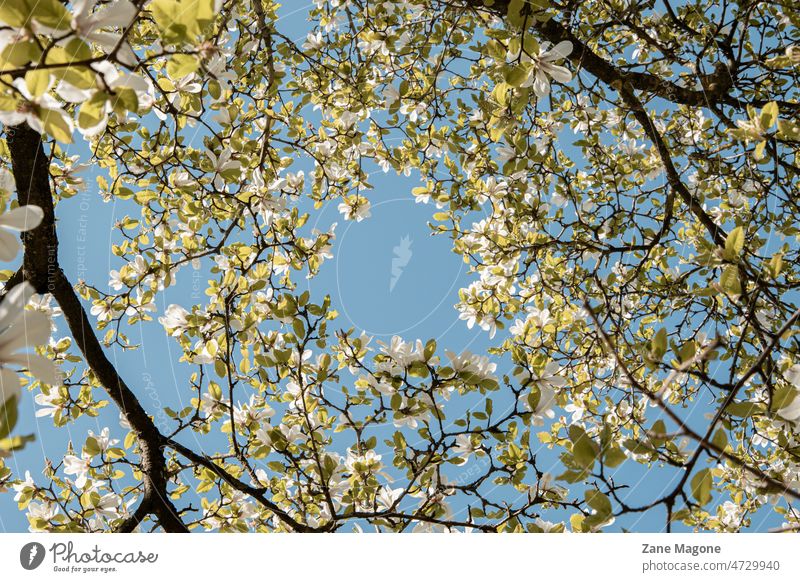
x=41, y=268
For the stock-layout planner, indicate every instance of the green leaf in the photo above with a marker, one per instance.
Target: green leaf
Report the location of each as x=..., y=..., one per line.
x=8, y=416
x=514, y=13
x=788, y=129
x=769, y=115
x=701, y=486
x=20, y=53
x=516, y=75
x=758, y=153
x=584, y=449
x=19, y=13
x=51, y=13
x=16, y=442
x=636, y=447
x=598, y=501
x=720, y=439
x=179, y=66
x=14, y=13
x=783, y=397
x=730, y=281
x=182, y=21
x=37, y=81
x=776, y=265
x=658, y=428
x=55, y=125
x=659, y=345
x=91, y=446
x=125, y=99
x=734, y=243
x=92, y=111
x=430, y=349
x=299, y=328
x=744, y=409
x=614, y=457
x=220, y=368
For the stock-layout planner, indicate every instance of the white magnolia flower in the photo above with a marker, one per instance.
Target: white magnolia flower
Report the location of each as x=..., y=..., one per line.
x=544, y=67
x=413, y=111
x=505, y=153
x=21, y=329
x=380, y=385
x=51, y=403
x=262, y=436
x=115, y=280
x=291, y=433
x=104, y=440
x=7, y=183
x=109, y=76
x=752, y=128
x=387, y=497
x=31, y=108
x=102, y=311
x=464, y=447
x=369, y=461
x=404, y=353
x=206, y=352
x=44, y=304
x=791, y=412
x=546, y=382
x=87, y=23
x=221, y=164
x=21, y=219
x=46, y=510
x=391, y=95
x=313, y=41
x=78, y=466
x=355, y=208
x=209, y=405
x=174, y=319
x=470, y=363
x=576, y=410
x=109, y=506
x=730, y=515
x=793, y=375
x=252, y=412
x=23, y=487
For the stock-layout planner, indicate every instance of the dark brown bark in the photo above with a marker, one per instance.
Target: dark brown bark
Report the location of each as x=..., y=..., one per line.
x=41, y=268
x=712, y=94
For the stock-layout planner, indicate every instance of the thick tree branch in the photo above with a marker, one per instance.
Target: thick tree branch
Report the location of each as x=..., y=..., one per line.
x=41, y=268
x=717, y=93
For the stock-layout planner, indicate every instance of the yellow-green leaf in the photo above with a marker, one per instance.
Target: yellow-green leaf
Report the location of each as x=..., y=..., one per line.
x=37, y=81
x=55, y=125
x=734, y=243
x=701, y=486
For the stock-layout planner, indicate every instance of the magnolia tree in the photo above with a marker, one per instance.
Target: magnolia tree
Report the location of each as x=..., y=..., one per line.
x=620, y=175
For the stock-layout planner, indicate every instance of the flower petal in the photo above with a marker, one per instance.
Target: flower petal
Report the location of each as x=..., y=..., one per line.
x=9, y=245
x=23, y=218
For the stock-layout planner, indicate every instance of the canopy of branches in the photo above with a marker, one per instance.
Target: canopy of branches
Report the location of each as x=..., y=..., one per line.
x=621, y=177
